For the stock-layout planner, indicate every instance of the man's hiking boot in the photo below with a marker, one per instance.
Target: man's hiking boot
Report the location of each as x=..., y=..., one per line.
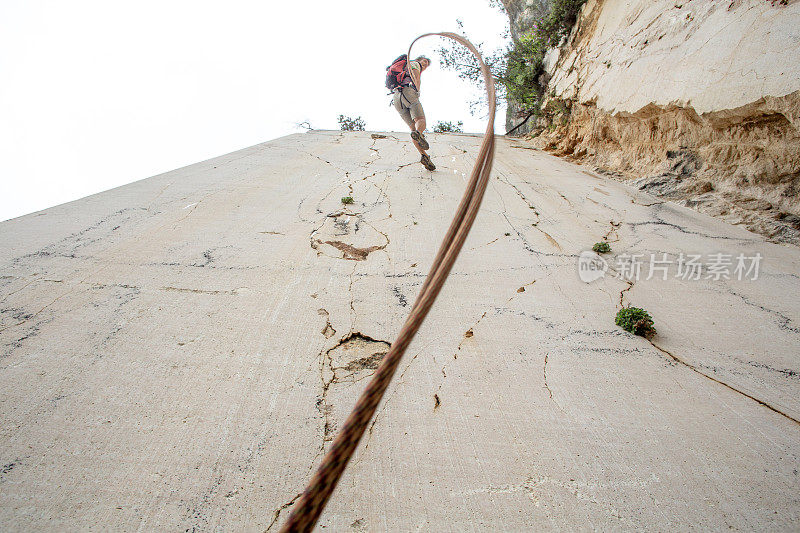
x=426, y=160
x=420, y=138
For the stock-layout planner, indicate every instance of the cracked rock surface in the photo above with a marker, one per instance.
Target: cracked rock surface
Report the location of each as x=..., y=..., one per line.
x=179, y=352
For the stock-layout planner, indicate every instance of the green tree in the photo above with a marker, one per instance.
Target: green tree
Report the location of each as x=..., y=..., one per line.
x=351, y=124
x=448, y=127
x=519, y=67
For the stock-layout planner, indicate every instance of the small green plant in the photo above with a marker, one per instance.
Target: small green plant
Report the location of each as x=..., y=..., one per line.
x=449, y=127
x=601, y=247
x=351, y=124
x=635, y=320
x=347, y=199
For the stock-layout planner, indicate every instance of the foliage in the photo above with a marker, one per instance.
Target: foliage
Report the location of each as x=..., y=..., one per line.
x=460, y=60
x=635, y=320
x=559, y=22
x=449, y=127
x=525, y=65
x=518, y=68
x=347, y=199
x=497, y=4
x=351, y=124
x=601, y=247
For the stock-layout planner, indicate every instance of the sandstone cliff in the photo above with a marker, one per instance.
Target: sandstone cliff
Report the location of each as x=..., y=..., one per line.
x=697, y=101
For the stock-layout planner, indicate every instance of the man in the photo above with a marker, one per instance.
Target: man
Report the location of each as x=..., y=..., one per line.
x=406, y=101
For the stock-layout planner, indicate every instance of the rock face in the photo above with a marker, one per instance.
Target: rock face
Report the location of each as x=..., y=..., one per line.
x=710, y=56
x=178, y=353
x=698, y=101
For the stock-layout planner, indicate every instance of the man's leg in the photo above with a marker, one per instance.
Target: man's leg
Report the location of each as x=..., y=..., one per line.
x=415, y=118
x=425, y=160
x=416, y=144
x=418, y=115
x=419, y=124
x=405, y=114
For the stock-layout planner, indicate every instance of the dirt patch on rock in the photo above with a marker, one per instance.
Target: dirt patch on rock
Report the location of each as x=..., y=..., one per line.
x=356, y=353
x=347, y=236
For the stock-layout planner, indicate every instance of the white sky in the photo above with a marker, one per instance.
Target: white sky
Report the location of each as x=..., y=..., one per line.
x=95, y=94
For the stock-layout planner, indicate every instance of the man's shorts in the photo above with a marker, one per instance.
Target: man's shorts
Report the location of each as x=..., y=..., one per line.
x=408, y=105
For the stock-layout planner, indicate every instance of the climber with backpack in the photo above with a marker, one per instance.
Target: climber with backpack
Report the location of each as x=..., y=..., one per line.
x=403, y=78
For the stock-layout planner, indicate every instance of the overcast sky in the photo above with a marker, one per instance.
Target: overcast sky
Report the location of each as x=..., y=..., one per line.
x=95, y=94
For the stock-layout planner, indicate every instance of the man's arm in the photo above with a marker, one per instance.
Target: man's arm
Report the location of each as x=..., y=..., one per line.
x=416, y=74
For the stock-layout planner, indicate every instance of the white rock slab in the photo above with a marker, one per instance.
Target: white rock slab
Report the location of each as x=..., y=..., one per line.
x=177, y=353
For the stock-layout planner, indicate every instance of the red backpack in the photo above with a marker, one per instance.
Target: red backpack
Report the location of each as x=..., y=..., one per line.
x=396, y=72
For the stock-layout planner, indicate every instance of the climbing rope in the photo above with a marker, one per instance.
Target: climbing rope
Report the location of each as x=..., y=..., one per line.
x=311, y=503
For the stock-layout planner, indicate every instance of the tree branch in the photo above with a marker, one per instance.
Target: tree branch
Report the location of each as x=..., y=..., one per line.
x=512, y=130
